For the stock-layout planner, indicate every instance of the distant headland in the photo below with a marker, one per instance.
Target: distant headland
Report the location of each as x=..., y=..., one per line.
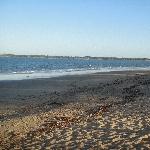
x=75, y=57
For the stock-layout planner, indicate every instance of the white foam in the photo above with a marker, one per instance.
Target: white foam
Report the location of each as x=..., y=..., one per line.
x=63, y=72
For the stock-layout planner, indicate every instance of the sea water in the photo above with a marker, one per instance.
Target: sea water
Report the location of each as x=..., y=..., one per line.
x=18, y=68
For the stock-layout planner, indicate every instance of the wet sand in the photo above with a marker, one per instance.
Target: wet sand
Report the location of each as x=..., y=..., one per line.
x=95, y=111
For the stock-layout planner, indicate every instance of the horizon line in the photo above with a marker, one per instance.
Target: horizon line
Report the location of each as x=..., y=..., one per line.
x=46, y=55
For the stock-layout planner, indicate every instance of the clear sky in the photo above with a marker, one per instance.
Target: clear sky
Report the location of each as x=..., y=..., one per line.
x=75, y=27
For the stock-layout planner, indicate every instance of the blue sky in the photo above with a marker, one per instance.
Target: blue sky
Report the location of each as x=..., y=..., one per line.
x=75, y=27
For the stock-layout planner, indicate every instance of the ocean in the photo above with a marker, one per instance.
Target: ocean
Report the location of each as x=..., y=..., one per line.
x=18, y=68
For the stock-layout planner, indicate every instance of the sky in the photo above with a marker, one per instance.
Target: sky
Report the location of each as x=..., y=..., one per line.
x=109, y=28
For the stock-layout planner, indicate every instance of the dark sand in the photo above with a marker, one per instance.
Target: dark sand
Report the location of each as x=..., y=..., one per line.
x=95, y=111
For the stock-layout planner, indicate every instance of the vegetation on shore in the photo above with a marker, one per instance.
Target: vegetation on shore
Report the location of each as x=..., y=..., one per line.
x=75, y=57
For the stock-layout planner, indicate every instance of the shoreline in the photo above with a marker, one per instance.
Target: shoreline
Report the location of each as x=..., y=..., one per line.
x=73, y=57
x=59, y=73
x=49, y=75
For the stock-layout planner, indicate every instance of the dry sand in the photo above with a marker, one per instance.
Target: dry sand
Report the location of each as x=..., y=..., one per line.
x=97, y=111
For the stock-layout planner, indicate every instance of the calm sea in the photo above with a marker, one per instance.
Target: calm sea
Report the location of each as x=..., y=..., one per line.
x=17, y=68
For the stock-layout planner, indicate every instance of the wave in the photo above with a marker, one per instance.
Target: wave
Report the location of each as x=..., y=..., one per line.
x=23, y=72
x=62, y=72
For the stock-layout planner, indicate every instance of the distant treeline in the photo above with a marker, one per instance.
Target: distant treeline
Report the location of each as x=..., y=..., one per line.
x=75, y=57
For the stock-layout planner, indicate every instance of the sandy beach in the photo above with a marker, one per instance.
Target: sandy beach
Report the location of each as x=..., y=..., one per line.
x=94, y=111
